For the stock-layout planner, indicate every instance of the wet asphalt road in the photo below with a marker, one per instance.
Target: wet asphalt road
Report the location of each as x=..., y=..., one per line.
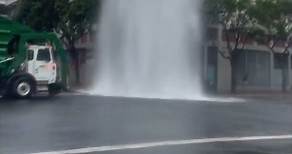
x=70, y=122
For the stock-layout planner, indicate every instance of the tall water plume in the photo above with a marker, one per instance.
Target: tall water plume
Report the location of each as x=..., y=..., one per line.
x=150, y=49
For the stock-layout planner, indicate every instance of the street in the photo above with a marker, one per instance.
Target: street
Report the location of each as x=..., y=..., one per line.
x=107, y=125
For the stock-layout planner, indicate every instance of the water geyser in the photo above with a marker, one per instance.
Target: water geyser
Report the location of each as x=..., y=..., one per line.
x=149, y=49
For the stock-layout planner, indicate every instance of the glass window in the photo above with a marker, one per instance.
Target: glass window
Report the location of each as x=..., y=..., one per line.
x=44, y=55
x=280, y=61
x=30, y=54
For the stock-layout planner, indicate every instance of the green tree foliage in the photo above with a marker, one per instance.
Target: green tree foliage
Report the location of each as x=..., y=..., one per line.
x=71, y=19
x=40, y=15
x=75, y=18
x=275, y=26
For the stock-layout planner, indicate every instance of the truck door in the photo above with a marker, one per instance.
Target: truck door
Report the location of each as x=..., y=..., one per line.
x=45, y=68
x=31, y=61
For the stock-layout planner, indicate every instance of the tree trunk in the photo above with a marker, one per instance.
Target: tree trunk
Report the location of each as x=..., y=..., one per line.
x=233, y=77
x=284, y=80
x=284, y=67
x=233, y=64
x=76, y=61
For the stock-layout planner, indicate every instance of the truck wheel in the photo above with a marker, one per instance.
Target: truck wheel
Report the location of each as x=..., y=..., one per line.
x=54, y=90
x=23, y=88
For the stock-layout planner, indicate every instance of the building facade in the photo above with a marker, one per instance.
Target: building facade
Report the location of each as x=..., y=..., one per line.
x=257, y=68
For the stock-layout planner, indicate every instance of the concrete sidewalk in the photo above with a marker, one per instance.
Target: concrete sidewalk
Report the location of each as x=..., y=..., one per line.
x=263, y=95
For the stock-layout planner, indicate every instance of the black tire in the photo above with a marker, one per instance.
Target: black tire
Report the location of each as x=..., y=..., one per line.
x=23, y=87
x=54, y=90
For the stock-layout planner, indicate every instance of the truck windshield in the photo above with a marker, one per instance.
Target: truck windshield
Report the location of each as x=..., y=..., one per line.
x=44, y=55
x=30, y=55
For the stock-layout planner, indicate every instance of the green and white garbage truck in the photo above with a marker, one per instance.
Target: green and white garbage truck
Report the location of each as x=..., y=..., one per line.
x=30, y=62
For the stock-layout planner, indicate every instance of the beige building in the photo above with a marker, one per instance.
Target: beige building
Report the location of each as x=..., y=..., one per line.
x=258, y=69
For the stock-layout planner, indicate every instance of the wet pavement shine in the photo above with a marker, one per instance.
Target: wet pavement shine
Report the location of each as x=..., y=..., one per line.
x=68, y=122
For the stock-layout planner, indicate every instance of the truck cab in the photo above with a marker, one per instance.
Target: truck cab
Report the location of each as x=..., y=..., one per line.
x=42, y=67
x=31, y=62
x=41, y=64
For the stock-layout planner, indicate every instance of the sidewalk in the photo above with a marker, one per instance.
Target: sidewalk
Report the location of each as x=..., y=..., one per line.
x=263, y=95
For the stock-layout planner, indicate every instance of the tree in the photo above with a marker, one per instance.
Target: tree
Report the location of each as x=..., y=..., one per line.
x=275, y=27
x=234, y=16
x=40, y=15
x=70, y=19
x=76, y=19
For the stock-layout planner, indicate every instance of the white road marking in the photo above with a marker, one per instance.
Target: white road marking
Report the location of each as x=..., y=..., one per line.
x=167, y=143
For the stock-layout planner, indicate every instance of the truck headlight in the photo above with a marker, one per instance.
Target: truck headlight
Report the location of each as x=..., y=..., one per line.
x=22, y=67
x=12, y=71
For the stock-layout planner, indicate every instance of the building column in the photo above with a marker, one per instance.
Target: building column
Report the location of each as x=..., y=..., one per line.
x=205, y=63
x=271, y=70
x=289, y=72
x=223, y=66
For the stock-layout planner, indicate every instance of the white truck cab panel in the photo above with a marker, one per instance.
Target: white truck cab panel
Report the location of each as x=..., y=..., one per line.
x=41, y=64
